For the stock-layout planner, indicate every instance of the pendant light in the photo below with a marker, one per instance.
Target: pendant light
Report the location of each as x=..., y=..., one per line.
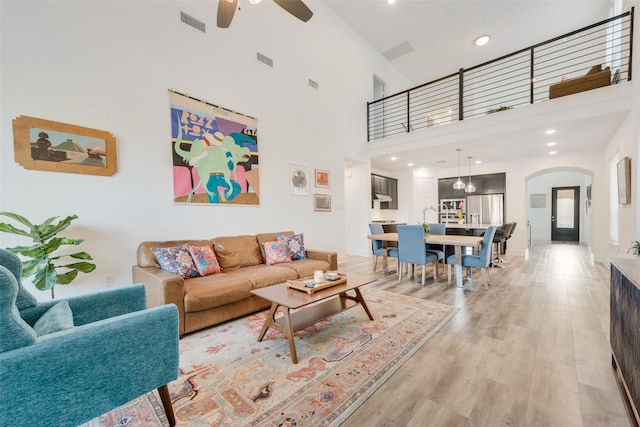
x=470, y=188
x=458, y=185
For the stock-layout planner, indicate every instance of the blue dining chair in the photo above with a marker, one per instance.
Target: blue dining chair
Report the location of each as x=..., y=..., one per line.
x=378, y=247
x=437, y=250
x=412, y=249
x=482, y=260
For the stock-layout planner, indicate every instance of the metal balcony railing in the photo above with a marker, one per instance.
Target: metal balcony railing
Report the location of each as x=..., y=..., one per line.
x=527, y=76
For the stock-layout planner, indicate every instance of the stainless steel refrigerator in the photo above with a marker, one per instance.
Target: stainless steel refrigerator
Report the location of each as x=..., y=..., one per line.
x=485, y=209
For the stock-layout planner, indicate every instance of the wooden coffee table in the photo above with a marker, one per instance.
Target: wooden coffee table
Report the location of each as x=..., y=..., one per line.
x=317, y=306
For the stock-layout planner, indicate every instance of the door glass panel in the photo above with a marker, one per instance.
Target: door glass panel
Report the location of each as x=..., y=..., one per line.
x=565, y=205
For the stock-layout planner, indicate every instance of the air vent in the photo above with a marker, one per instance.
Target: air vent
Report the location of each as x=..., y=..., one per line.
x=398, y=51
x=265, y=59
x=313, y=84
x=193, y=22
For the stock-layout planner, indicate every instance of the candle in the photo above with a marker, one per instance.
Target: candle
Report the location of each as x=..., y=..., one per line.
x=318, y=276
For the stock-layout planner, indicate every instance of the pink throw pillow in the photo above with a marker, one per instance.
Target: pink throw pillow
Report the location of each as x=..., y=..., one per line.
x=276, y=252
x=205, y=260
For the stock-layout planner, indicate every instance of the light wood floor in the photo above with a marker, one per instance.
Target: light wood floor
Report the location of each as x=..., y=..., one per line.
x=533, y=350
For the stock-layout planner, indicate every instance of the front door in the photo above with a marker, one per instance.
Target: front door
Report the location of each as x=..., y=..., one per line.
x=565, y=214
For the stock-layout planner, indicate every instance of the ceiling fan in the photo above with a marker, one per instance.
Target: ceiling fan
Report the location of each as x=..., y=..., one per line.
x=227, y=8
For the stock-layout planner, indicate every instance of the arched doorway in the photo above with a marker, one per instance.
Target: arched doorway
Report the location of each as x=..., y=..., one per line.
x=541, y=198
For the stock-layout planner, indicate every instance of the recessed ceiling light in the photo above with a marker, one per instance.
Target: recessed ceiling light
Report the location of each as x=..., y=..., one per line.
x=551, y=144
x=482, y=40
x=478, y=162
x=552, y=152
x=550, y=131
x=410, y=164
x=391, y=1
x=394, y=158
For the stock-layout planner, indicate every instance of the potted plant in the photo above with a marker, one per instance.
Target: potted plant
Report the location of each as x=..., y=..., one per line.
x=425, y=227
x=459, y=216
x=500, y=108
x=635, y=248
x=46, y=267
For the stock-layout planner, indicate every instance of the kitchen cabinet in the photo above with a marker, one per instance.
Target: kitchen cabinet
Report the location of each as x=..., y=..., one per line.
x=385, y=186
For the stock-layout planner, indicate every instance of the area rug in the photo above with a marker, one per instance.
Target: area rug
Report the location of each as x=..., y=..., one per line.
x=227, y=378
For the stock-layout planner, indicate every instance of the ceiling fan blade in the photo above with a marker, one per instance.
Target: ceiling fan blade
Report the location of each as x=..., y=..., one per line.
x=297, y=8
x=226, y=9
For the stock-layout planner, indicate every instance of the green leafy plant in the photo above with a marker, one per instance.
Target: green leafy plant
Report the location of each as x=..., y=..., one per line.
x=635, y=248
x=426, y=227
x=500, y=108
x=46, y=268
x=459, y=215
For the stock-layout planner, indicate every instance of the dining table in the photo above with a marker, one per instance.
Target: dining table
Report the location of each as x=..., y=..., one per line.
x=458, y=242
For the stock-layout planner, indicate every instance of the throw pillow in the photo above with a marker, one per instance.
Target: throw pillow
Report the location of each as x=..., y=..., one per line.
x=595, y=69
x=57, y=318
x=205, y=260
x=296, y=245
x=177, y=260
x=276, y=252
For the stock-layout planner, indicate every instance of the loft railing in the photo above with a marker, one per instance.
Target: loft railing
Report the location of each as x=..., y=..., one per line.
x=527, y=76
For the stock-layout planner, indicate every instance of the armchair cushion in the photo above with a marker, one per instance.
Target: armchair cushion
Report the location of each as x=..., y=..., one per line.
x=57, y=318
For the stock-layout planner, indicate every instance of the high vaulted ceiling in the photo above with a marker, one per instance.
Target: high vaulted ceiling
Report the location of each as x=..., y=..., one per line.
x=442, y=35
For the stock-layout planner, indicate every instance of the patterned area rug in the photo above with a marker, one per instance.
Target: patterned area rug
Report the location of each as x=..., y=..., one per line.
x=227, y=378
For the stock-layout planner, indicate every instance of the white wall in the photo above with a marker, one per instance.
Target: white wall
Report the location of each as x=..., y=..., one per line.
x=108, y=65
x=540, y=218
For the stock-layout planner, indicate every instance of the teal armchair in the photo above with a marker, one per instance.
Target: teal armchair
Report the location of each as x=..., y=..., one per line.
x=65, y=362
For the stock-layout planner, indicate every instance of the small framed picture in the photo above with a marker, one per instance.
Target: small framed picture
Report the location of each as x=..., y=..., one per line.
x=299, y=180
x=538, y=201
x=322, y=203
x=322, y=178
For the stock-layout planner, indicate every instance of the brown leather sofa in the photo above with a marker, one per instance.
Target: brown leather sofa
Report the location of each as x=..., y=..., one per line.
x=212, y=299
x=595, y=78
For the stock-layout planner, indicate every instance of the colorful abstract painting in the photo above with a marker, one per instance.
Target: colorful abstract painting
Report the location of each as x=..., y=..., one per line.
x=215, y=154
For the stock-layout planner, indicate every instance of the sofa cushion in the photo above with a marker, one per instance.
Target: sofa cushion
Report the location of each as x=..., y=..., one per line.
x=266, y=275
x=237, y=251
x=306, y=267
x=204, y=259
x=276, y=252
x=177, y=260
x=203, y=293
x=296, y=245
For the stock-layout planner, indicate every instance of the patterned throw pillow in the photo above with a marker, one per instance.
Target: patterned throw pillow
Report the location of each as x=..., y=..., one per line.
x=296, y=245
x=205, y=260
x=276, y=252
x=177, y=260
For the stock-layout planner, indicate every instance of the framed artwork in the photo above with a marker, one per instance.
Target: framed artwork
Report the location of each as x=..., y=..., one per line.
x=41, y=144
x=215, y=154
x=322, y=178
x=624, y=181
x=538, y=200
x=299, y=179
x=322, y=203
